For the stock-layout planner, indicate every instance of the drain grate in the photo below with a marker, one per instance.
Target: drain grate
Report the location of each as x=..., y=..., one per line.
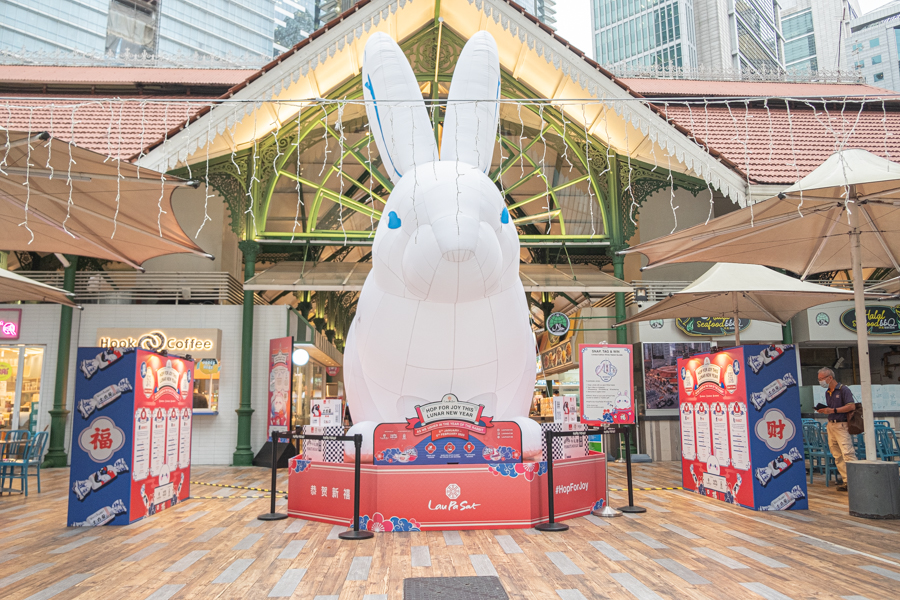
x=453, y=588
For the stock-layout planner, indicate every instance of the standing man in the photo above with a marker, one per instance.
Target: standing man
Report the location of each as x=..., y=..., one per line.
x=840, y=403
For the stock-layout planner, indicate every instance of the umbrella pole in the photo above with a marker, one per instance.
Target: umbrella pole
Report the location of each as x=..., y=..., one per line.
x=737, y=321
x=862, y=336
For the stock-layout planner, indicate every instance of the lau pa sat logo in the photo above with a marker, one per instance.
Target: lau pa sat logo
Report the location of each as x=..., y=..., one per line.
x=453, y=492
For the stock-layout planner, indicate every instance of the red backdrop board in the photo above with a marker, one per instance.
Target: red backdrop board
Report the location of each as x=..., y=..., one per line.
x=280, y=350
x=448, y=442
x=715, y=435
x=163, y=401
x=414, y=498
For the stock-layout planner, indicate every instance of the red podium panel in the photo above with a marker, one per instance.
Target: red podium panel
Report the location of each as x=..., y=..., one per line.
x=414, y=498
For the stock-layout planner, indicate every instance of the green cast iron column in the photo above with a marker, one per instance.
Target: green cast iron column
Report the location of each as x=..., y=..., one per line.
x=616, y=238
x=619, y=272
x=787, y=334
x=56, y=453
x=243, y=454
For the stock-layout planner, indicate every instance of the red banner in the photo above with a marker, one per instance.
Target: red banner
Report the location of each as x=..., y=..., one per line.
x=279, y=415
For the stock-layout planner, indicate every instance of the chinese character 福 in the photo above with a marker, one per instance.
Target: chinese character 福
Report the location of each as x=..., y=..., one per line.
x=101, y=439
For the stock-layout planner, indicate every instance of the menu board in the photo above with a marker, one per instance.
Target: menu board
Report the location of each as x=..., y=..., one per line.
x=607, y=383
x=740, y=427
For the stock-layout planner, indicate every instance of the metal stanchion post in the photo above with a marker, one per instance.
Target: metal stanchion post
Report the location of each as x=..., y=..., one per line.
x=272, y=515
x=631, y=508
x=607, y=511
x=355, y=533
x=550, y=525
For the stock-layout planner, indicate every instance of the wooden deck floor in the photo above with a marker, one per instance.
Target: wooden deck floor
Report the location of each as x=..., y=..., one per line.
x=685, y=546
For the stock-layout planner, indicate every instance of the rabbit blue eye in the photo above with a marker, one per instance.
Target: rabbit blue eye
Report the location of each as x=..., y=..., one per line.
x=393, y=220
x=504, y=216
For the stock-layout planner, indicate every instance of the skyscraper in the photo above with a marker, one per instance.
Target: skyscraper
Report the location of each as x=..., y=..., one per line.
x=740, y=36
x=873, y=46
x=816, y=32
x=207, y=28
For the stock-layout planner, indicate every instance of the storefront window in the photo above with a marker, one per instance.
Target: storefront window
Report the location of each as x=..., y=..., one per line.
x=206, y=385
x=20, y=387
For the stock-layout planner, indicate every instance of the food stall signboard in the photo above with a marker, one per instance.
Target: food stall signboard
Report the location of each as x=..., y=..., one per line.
x=607, y=383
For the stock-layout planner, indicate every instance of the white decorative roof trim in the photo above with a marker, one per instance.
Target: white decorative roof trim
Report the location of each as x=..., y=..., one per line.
x=695, y=158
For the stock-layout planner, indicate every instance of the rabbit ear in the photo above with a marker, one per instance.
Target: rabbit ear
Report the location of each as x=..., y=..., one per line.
x=397, y=116
x=470, y=128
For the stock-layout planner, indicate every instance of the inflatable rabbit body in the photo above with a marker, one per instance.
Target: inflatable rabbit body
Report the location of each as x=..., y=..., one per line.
x=443, y=310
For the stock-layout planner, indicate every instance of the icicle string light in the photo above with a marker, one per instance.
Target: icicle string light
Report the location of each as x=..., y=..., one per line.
x=298, y=184
x=162, y=180
x=587, y=161
x=206, y=194
x=543, y=170
x=341, y=143
x=28, y=177
x=521, y=136
x=69, y=164
x=118, y=174
x=324, y=137
x=254, y=158
x=49, y=165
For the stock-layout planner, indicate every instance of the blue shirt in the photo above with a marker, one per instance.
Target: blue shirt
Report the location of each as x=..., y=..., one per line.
x=840, y=397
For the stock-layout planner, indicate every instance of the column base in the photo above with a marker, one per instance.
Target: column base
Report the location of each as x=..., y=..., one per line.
x=242, y=458
x=55, y=459
x=874, y=489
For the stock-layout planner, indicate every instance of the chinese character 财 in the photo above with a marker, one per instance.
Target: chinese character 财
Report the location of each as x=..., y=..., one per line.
x=776, y=429
x=101, y=439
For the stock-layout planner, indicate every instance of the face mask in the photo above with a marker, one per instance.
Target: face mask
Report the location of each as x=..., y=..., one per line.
x=824, y=383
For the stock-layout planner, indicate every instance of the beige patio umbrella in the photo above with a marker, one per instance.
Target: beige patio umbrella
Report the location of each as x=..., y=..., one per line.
x=57, y=197
x=733, y=290
x=14, y=287
x=843, y=215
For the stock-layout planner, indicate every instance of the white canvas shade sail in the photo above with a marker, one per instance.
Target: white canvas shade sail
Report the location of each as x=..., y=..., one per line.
x=14, y=287
x=739, y=290
x=350, y=277
x=845, y=215
x=57, y=197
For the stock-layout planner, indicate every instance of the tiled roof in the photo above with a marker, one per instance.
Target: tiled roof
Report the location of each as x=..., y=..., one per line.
x=772, y=147
x=692, y=88
x=116, y=128
x=104, y=75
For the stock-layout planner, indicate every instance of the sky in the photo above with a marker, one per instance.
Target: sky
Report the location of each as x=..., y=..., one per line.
x=573, y=21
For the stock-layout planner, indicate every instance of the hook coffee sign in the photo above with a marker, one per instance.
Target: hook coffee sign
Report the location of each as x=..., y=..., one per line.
x=199, y=343
x=709, y=326
x=880, y=320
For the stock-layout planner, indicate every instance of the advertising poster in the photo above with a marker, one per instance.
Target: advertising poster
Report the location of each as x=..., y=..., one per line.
x=448, y=432
x=131, y=435
x=607, y=383
x=163, y=395
x=746, y=427
x=709, y=384
x=661, y=373
x=280, y=381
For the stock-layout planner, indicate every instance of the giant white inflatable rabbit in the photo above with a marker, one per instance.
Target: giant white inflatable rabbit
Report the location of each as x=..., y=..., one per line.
x=443, y=310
